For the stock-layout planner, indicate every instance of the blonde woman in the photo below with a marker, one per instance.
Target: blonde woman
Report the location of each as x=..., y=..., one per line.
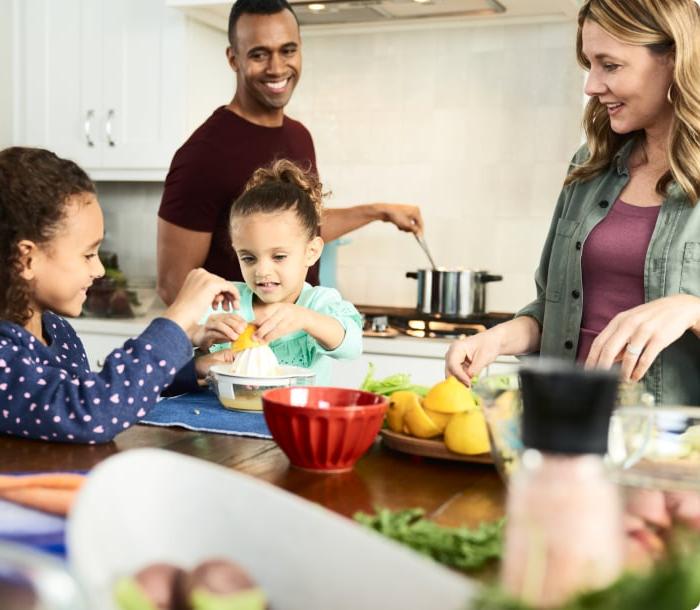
x=619, y=277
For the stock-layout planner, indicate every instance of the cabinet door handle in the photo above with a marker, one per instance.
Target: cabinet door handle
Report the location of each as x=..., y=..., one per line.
x=87, y=127
x=108, y=127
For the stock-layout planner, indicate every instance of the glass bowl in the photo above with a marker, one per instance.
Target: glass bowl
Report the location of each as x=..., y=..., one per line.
x=240, y=393
x=500, y=397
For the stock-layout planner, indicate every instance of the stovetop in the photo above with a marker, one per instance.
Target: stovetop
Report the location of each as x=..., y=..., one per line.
x=391, y=321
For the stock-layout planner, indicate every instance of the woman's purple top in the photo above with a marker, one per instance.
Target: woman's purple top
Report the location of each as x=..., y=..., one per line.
x=612, y=267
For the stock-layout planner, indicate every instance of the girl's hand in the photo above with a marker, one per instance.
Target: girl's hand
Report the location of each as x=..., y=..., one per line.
x=219, y=328
x=636, y=336
x=200, y=290
x=202, y=363
x=280, y=319
x=467, y=357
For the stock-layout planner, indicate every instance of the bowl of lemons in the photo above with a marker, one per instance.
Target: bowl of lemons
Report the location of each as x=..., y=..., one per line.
x=442, y=421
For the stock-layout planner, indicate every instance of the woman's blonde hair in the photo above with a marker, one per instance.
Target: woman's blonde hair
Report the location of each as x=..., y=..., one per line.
x=663, y=26
x=283, y=186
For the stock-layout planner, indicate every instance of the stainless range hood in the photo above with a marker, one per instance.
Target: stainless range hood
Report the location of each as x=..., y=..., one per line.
x=371, y=11
x=348, y=12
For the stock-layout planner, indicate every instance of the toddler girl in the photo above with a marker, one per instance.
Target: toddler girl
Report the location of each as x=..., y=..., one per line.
x=51, y=227
x=274, y=228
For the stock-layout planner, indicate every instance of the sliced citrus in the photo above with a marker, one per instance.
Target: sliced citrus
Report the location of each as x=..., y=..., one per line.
x=467, y=433
x=245, y=340
x=450, y=396
x=399, y=403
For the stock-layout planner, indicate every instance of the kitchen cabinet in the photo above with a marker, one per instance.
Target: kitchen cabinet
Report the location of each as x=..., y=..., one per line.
x=106, y=83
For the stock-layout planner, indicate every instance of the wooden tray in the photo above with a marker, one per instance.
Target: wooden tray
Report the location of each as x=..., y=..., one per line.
x=429, y=448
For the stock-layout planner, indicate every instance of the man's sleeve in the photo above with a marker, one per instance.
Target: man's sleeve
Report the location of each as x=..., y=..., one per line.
x=192, y=196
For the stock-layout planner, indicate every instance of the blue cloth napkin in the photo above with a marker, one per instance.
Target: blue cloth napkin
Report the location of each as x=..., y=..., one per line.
x=202, y=411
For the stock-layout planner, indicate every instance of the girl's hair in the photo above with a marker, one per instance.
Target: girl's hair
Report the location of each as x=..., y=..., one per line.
x=35, y=186
x=668, y=26
x=280, y=187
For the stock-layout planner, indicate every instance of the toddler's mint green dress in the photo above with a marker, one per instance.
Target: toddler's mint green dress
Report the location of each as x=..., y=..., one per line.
x=300, y=348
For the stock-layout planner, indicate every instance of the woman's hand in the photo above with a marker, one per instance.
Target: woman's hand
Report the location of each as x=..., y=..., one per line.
x=467, y=357
x=636, y=337
x=219, y=328
x=200, y=290
x=280, y=319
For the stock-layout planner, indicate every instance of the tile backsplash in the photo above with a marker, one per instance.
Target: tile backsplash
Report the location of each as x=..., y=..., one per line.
x=475, y=124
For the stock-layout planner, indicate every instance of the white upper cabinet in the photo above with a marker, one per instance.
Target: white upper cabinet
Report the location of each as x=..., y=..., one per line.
x=103, y=82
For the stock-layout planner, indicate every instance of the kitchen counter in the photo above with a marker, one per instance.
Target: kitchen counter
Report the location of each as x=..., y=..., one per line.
x=422, y=358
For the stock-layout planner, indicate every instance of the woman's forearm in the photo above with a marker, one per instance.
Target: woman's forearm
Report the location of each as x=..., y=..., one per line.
x=521, y=335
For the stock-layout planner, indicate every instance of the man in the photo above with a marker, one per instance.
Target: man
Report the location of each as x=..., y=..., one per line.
x=210, y=170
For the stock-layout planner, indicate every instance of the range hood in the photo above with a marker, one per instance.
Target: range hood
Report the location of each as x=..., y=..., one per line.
x=334, y=12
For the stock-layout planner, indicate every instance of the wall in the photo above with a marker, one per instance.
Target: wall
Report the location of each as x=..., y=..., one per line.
x=475, y=124
x=6, y=73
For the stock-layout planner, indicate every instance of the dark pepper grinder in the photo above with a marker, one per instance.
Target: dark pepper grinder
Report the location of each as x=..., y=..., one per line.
x=564, y=529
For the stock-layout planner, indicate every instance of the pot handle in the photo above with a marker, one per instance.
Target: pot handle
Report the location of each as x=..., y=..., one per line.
x=412, y=274
x=487, y=277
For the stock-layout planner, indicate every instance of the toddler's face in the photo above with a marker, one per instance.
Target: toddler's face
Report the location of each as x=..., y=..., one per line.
x=275, y=254
x=65, y=268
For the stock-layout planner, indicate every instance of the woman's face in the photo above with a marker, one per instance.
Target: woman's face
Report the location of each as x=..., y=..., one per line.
x=630, y=80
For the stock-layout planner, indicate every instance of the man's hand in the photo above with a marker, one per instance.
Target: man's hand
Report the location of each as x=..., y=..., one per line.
x=406, y=217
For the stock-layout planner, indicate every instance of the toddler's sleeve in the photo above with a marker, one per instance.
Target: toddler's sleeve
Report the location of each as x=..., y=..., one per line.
x=333, y=305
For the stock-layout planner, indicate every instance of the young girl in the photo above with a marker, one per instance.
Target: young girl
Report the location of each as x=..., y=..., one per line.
x=51, y=227
x=274, y=227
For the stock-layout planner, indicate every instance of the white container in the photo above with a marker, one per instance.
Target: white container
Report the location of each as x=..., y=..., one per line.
x=244, y=393
x=150, y=505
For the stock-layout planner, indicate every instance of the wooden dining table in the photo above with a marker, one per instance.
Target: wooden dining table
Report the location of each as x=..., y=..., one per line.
x=450, y=492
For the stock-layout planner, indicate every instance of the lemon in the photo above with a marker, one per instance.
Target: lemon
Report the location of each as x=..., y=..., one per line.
x=245, y=340
x=399, y=403
x=467, y=433
x=450, y=396
x=419, y=424
x=439, y=419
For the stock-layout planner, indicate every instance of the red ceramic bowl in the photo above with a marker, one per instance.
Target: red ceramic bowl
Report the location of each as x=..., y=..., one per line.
x=323, y=429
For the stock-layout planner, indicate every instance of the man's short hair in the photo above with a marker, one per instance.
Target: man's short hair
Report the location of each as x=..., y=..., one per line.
x=254, y=7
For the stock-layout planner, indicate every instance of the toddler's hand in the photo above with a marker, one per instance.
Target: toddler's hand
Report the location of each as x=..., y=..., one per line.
x=200, y=290
x=219, y=328
x=280, y=319
x=202, y=363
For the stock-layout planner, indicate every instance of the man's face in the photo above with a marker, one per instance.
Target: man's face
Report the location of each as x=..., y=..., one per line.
x=266, y=58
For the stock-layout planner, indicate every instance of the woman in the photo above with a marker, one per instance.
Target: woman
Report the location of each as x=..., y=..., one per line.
x=619, y=277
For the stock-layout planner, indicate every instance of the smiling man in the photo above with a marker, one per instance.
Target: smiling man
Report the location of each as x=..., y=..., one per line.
x=210, y=170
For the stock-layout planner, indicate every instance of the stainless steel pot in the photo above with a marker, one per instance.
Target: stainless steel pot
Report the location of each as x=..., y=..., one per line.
x=455, y=293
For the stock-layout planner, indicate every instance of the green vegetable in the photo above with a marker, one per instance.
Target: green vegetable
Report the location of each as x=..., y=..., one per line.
x=391, y=384
x=674, y=583
x=459, y=547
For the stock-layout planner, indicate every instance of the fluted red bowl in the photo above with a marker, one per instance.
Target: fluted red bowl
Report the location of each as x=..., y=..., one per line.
x=323, y=429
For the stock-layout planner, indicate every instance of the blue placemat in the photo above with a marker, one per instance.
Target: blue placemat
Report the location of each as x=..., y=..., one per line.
x=202, y=411
x=35, y=528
